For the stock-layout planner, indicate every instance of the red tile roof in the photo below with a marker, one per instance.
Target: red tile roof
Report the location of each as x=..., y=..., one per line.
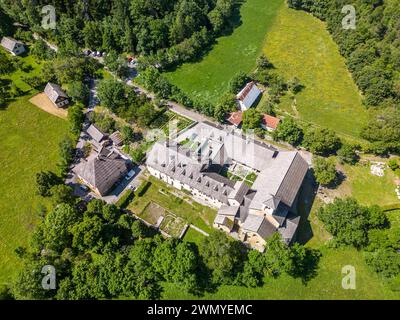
x=270, y=121
x=235, y=118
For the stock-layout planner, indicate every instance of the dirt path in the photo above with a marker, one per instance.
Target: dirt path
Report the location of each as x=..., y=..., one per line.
x=43, y=102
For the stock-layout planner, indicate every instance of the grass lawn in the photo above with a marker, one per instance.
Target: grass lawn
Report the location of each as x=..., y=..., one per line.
x=367, y=188
x=209, y=78
x=29, y=144
x=17, y=76
x=192, y=212
x=326, y=285
x=299, y=46
x=192, y=235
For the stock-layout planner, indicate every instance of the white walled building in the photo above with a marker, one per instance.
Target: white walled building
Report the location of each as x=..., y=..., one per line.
x=248, y=96
x=13, y=46
x=253, y=213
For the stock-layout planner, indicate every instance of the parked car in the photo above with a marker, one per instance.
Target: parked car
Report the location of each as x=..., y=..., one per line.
x=83, y=187
x=130, y=174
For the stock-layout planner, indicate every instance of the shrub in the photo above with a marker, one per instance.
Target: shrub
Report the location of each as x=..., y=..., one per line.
x=321, y=141
x=347, y=154
x=393, y=164
x=325, y=171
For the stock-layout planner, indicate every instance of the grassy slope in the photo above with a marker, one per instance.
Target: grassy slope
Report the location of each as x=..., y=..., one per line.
x=367, y=188
x=208, y=79
x=193, y=235
x=326, y=285
x=299, y=45
x=28, y=144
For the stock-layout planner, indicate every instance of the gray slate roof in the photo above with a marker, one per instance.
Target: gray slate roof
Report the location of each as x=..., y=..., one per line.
x=228, y=210
x=102, y=172
x=95, y=133
x=116, y=138
x=282, y=180
x=54, y=91
x=266, y=230
x=9, y=43
x=239, y=191
x=220, y=219
x=289, y=228
x=253, y=222
x=259, y=225
x=281, y=213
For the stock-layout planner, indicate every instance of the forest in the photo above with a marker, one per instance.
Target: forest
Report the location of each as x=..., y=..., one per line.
x=169, y=32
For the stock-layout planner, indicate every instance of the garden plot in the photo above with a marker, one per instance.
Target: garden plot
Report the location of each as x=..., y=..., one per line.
x=174, y=120
x=160, y=218
x=173, y=225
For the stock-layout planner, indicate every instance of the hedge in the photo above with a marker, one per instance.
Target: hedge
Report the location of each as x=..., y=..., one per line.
x=143, y=188
x=125, y=199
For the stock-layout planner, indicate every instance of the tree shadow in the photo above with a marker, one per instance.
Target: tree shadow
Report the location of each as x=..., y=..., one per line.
x=234, y=21
x=309, y=267
x=340, y=178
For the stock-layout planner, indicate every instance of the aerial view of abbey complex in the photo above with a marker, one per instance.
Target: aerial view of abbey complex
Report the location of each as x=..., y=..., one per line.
x=163, y=151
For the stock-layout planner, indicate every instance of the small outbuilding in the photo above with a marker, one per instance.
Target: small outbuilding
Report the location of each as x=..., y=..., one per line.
x=13, y=46
x=95, y=133
x=235, y=118
x=270, y=123
x=56, y=95
x=248, y=96
x=117, y=139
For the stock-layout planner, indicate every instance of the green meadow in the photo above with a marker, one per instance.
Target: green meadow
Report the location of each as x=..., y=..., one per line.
x=29, y=143
x=299, y=46
x=208, y=79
